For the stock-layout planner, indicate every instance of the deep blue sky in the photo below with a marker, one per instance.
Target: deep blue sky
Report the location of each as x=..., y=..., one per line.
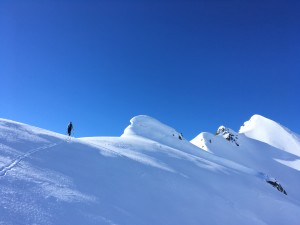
x=193, y=65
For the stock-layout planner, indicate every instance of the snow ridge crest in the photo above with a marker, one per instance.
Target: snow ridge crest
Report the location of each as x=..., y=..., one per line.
x=150, y=128
x=272, y=133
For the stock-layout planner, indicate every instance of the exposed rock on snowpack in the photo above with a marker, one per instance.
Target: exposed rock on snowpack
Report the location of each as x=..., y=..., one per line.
x=228, y=134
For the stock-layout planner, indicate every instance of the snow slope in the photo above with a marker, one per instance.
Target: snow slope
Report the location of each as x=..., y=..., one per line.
x=147, y=176
x=256, y=154
x=272, y=133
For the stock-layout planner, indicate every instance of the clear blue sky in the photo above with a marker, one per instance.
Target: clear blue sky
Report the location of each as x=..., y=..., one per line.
x=193, y=65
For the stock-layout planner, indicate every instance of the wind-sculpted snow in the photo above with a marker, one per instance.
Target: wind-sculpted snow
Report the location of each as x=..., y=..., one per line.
x=150, y=128
x=150, y=175
x=272, y=133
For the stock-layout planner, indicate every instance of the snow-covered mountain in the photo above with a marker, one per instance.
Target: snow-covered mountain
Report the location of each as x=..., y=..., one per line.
x=272, y=133
x=149, y=175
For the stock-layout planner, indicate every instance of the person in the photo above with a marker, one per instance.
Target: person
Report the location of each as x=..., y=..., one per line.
x=70, y=128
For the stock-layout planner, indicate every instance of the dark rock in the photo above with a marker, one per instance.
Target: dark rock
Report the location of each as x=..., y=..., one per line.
x=277, y=185
x=228, y=134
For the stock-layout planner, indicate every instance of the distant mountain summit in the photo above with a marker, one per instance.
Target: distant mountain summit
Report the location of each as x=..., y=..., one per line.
x=258, y=128
x=205, y=140
x=228, y=134
x=272, y=133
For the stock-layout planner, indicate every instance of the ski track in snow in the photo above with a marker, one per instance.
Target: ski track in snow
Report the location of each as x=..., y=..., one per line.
x=15, y=162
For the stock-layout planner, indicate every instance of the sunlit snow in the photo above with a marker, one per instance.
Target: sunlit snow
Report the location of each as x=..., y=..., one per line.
x=149, y=175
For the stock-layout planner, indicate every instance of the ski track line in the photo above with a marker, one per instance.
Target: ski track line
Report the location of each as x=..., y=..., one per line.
x=16, y=161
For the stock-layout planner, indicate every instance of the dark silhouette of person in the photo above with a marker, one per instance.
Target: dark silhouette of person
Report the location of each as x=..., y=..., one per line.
x=70, y=128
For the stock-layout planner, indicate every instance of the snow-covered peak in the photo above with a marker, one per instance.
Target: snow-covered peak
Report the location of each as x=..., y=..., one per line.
x=228, y=134
x=223, y=137
x=257, y=121
x=272, y=133
x=202, y=140
x=150, y=128
x=223, y=129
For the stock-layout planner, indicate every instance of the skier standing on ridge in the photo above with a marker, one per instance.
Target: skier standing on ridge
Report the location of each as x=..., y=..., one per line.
x=70, y=128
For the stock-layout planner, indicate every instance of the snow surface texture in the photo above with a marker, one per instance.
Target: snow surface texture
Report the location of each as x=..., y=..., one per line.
x=149, y=175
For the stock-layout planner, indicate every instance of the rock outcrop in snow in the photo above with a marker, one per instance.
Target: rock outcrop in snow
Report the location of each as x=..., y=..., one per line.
x=228, y=134
x=260, y=142
x=277, y=185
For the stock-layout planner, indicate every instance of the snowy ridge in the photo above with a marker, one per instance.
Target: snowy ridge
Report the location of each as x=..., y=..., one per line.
x=272, y=133
x=149, y=175
x=202, y=140
x=150, y=128
x=254, y=154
